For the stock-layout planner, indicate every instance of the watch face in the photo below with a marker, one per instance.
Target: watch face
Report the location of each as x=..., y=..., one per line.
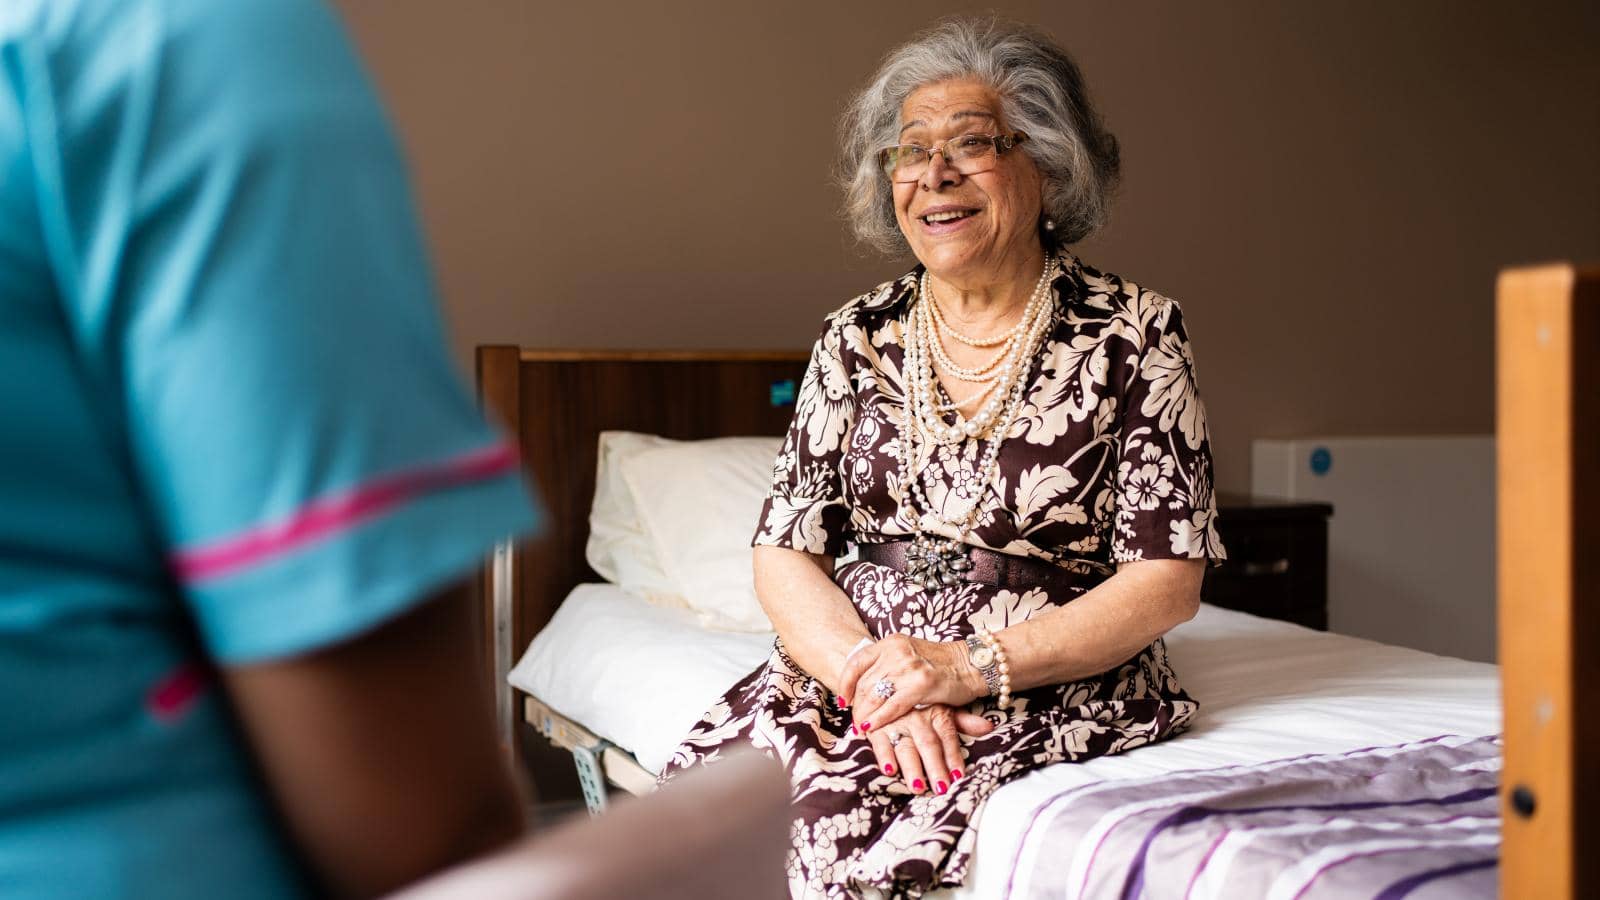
x=983, y=658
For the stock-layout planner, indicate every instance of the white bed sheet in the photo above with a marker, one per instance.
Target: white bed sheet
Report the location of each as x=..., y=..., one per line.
x=640, y=676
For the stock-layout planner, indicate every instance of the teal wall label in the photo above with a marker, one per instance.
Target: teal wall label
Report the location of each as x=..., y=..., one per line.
x=1321, y=461
x=782, y=392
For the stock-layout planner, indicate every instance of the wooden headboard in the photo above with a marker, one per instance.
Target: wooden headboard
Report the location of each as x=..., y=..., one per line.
x=1548, y=412
x=556, y=403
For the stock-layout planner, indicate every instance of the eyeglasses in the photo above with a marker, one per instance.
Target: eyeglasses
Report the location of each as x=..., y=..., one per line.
x=968, y=154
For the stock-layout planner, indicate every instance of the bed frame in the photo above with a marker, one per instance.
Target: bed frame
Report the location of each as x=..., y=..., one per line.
x=1548, y=413
x=558, y=402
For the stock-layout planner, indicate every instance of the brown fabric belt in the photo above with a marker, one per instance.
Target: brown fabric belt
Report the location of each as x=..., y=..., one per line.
x=1014, y=573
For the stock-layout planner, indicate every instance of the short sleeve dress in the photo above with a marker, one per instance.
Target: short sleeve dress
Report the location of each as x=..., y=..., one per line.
x=1107, y=462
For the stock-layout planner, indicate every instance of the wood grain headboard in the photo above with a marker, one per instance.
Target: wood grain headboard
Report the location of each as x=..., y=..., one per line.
x=556, y=403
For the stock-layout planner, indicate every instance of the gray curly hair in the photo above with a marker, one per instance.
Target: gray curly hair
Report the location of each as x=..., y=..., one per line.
x=1041, y=92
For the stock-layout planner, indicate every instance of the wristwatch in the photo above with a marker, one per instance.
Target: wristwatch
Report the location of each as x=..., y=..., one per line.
x=982, y=657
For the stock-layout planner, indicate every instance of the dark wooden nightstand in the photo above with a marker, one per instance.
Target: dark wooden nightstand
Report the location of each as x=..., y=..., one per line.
x=1277, y=565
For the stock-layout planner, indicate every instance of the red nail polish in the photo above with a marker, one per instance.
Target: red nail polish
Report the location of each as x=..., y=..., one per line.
x=840, y=701
x=888, y=768
x=955, y=774
x=916, y=785
x=943, y=787
x=866, y=726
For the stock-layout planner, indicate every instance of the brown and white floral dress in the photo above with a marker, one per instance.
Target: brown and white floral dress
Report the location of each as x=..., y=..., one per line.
x=1107, y=462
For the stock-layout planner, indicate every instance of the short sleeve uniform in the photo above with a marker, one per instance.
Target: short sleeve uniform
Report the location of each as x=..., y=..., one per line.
x=232, y=432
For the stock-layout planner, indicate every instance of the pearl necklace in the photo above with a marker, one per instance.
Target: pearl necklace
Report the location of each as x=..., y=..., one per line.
x=953, y=406
x=937, y=562
x=979, y=375
x=944, y=327
x=922, y=383
x=941, y=329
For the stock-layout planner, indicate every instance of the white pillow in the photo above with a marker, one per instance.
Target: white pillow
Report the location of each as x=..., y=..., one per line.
x=698, y=502
x=633, y=673
x=618, y=549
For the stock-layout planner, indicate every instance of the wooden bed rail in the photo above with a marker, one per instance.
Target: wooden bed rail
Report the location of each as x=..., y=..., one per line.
x=1548, y=415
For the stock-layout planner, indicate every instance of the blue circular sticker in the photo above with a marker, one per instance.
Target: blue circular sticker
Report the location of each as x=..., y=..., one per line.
x=1321, y=461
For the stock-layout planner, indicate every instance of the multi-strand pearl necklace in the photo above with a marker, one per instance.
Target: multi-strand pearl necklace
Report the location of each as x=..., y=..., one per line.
x=924, y=351
x=1007, y=340
x=988, y=374
x=945, y=328
x=924, y=428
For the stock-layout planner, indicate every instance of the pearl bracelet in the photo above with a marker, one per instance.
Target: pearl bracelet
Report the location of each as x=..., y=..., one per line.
x=993, y=642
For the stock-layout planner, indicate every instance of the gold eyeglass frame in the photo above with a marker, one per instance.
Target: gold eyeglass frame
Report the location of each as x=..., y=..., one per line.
x=1002, y=143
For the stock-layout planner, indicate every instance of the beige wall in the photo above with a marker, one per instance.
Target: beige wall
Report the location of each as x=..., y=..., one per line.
x=1327, y=188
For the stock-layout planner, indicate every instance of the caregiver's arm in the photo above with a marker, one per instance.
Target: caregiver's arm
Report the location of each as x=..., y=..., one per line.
x=380, y=751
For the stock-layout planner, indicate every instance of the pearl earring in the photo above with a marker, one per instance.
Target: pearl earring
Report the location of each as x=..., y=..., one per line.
x=1049, y=224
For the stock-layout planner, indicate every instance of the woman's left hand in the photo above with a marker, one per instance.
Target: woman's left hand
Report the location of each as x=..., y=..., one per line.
x=923, y=747
x=919, y=672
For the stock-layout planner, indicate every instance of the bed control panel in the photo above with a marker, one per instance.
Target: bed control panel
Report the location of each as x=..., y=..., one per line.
x=781, y=392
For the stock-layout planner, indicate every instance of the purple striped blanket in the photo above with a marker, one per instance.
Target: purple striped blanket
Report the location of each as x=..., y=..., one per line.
x=1417, y=821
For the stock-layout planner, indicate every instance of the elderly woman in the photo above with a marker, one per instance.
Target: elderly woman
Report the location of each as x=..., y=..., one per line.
x=1012, y=441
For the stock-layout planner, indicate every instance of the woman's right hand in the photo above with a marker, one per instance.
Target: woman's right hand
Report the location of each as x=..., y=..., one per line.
x=927, y=756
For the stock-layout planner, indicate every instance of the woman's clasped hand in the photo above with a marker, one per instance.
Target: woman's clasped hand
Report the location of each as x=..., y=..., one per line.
x=905, y=696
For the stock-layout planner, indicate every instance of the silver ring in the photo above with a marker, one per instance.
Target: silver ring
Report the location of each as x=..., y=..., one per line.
x=895, y=738
x=884, y=689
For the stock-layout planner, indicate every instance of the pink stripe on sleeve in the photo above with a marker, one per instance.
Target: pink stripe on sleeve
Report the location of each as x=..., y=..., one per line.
x=177, y=691
x=327, y=516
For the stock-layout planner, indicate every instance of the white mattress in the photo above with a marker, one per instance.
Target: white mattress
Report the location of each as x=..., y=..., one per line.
x=640, y=676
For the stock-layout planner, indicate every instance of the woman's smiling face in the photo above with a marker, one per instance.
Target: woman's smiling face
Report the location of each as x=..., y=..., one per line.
x=984, y=224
